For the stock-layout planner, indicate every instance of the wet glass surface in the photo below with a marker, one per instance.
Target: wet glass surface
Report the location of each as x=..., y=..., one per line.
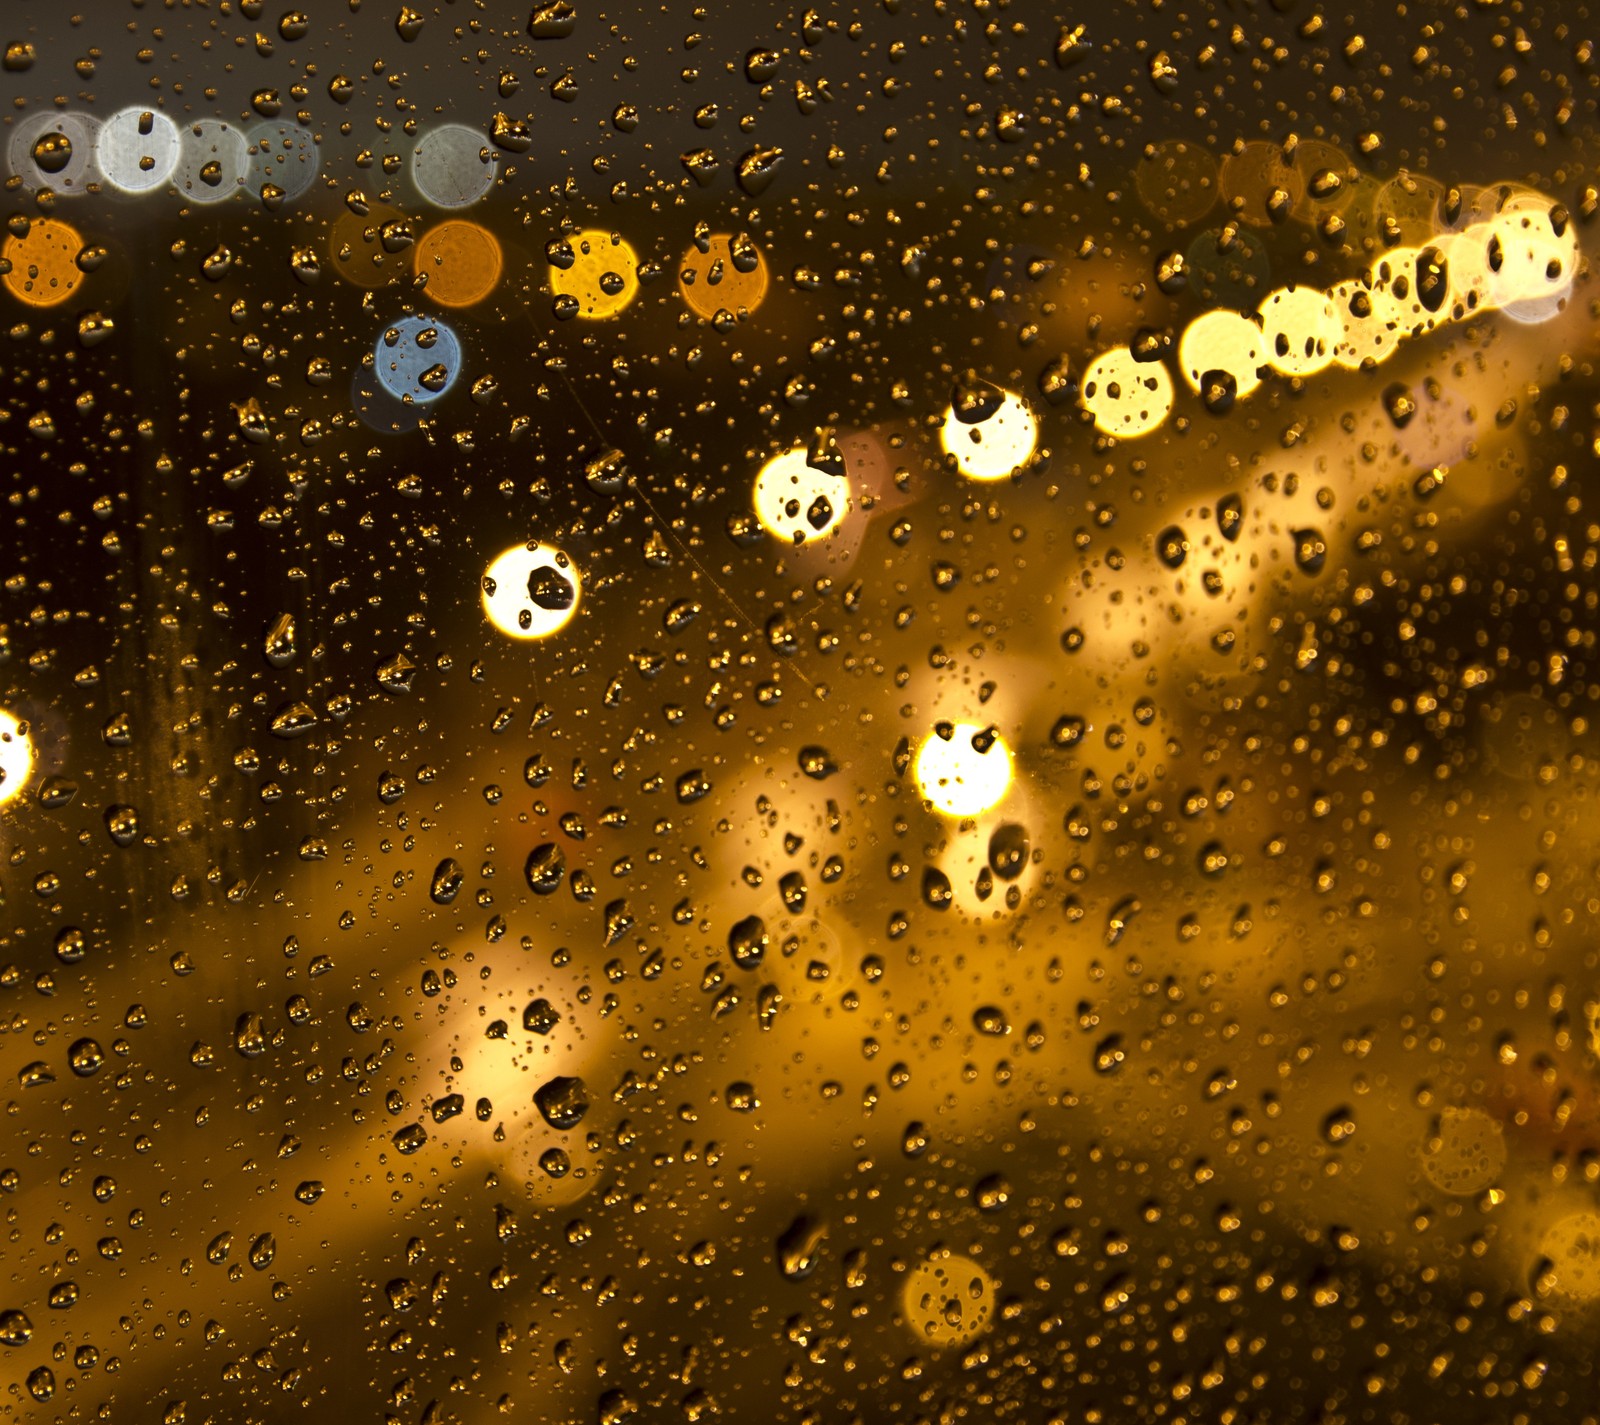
x=864, y=713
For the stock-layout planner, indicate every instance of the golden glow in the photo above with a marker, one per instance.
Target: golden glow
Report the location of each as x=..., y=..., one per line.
x=461, y=261
x=531, y=591
x=966, y=773
x=1572, y=1247
x=1410, y=204
x=991, y=449
x=1466, y=1154
x=355, y=243
x=1370, y=315
x=16, y=757
x=1126, y=397
x=1178, y=181
x=1533, y=265
x=603, y=278
x=712, y=281
x=1221, y=341
x=796, y=502
x=948, y=1299
x=1298, y=330
x=44, y=263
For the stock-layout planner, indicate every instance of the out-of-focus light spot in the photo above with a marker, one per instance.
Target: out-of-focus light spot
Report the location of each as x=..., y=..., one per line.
x=991, y=448
x=284, y=156
x=965, y=773
x=417, y=359
x=137, y=149
x=461, y=262
x=1328, y=177
x=795, y=501
x=1534, y=258
x=603, y=277
x=16, y=756
x=1371, y=312
x=531, y=591
x=44, y=263
x=1572, y=1247
x=54, y=151
x=1177, y=181
x=948, y=1299
x=1298, y=330
x=1218, y=349
x=1409, y=205
x=1466, y=1154
x=213, y=161
x=724, y=278
x=1126, y=397
x=355, y=244
x=1229, y=267
x=1257, y=183
x=453, y=166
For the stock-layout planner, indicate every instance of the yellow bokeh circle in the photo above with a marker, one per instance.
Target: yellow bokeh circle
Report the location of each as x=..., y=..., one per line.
x=603, y=277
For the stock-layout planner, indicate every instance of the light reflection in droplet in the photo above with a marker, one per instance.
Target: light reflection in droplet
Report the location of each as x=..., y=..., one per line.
x=531, y=591
x=992, y=448
x=966, y=773
x=16, y=756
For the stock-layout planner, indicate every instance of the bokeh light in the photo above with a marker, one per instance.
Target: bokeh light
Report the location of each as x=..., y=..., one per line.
x=603, y=277
x=1125, y=396
x=54, y=150
x=948, y=1299
x=723, y=278
x=531, y=590
x=16, y=756
x=44, y=263
x=796, y=501
x=964, y=773
x=137, y=149
x=284, y=156
x=213, y=161
x=453, y=166
x=992, y=447
x=1298, y=330
x=1220, y=353
x=417, y=359
x=460, y=261
x=1467, y=1152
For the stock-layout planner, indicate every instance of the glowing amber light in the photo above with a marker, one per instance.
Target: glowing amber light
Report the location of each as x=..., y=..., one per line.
x=966, y=773
x=604, y=275
x=1225, y=343
x=530, y=591
x=1466, y=1154
x=948, y=1299
x=713, y=281
x=44, y=263
x=992, y=448
x=355, y=243
x=796, y=502
x=1126, y=397
x=1572, y=1248
x=16, y=756
x=460, y=261
x=1298, y=330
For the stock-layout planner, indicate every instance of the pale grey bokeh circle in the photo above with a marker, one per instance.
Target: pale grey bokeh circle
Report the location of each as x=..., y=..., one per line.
x=213, y=160
x=453, y=166
x=284, y=155
x=137, y=149
x=81, y=131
